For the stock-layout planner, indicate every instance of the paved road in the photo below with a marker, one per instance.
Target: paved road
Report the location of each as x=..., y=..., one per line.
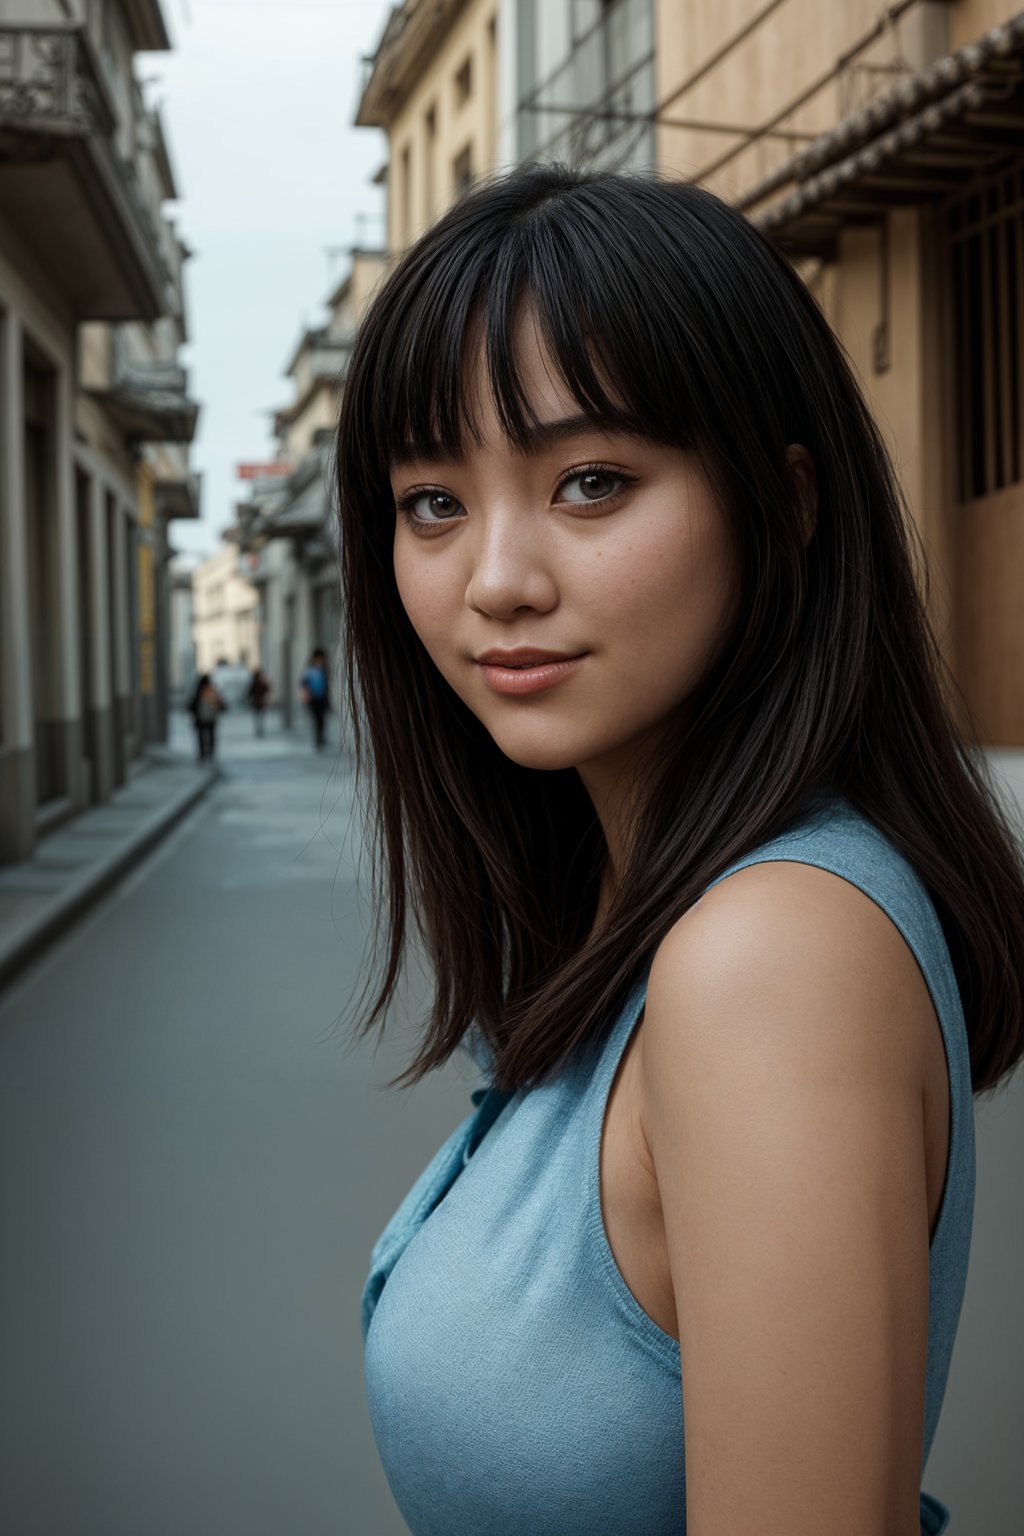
x=193, y=1167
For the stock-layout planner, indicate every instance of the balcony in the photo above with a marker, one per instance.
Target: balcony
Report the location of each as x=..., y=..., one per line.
x=178, y=496
x=148, y=399
x=305, y=510
x=74, y=201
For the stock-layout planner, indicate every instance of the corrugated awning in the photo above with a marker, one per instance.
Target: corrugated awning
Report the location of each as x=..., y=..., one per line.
x=917, y=143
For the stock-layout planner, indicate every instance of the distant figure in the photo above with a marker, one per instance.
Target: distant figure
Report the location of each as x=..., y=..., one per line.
x=206, y=704
x=313, y=693
x=259, y=693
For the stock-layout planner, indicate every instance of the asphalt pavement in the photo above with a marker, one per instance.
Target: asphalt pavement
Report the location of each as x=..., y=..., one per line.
x=194, y=1162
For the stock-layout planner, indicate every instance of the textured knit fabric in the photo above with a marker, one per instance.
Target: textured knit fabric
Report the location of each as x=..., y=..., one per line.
x=514, y=1382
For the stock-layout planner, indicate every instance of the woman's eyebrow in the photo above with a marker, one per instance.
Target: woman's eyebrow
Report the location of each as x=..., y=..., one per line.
x=539, y=436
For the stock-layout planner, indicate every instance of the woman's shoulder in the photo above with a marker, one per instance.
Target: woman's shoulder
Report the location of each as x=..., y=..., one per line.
x=832, y=835
x=828, y=914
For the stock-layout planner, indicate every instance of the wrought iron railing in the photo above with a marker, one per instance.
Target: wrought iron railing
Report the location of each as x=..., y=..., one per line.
x=52, y=84
x=50, y=80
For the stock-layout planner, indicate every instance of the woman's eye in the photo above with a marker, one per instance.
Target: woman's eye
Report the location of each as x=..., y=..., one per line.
x=430, y=506
x=590, y=485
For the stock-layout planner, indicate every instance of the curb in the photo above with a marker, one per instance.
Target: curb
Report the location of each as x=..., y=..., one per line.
x=17, y=951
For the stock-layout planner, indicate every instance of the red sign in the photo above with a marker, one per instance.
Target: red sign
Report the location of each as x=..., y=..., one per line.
x=262, y=471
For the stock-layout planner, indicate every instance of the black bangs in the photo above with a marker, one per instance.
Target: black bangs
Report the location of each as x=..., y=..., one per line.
x=469, y=283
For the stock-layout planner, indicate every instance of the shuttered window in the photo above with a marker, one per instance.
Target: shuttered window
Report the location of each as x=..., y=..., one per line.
x=985, y=231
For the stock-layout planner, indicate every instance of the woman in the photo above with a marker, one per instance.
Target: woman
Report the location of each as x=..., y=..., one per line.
x=205, y=706
x=630, y=609
x=258, y=694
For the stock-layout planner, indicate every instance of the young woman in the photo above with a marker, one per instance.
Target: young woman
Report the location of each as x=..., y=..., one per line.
x=258, y=694
x=631, y=608
x=206, y=706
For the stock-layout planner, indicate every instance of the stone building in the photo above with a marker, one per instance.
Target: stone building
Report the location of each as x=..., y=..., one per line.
x=95, y=416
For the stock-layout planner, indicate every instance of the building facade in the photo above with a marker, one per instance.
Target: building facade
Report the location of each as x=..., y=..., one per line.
x=225, y=613
x=95, y=417
x=433, y=85
x=284, y=538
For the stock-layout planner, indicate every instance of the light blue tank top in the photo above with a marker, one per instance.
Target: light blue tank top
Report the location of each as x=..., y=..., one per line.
x=514, y=1382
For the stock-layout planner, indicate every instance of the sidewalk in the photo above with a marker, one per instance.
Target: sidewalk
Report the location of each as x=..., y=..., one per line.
x=75, y=864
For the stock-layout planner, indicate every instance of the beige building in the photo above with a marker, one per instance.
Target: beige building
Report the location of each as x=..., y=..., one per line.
x=884, y=151
x=95, y=417
x=433, y=87
x=225, y=613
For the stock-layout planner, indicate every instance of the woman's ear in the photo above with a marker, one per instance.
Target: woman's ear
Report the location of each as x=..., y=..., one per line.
x=806, y=482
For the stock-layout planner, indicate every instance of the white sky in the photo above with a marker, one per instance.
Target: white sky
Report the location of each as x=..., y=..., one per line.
x=258, y=99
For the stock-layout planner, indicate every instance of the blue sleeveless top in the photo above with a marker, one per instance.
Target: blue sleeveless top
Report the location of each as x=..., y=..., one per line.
x=514, y=1382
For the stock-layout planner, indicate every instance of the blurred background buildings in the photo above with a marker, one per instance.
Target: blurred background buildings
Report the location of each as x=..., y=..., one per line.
x=883, y=151
x=95, y=414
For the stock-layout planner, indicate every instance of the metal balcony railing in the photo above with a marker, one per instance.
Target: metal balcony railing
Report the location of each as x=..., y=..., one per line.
x=51, y=81
x=55, y=96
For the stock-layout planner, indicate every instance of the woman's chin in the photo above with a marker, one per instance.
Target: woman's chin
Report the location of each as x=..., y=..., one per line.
x=546, y=756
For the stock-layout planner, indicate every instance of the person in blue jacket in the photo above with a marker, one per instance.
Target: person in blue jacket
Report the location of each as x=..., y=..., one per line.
x=314, y=693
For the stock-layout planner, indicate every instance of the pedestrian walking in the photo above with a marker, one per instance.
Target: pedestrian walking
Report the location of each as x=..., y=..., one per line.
x=258, y=696
x=313, y=691
x=205, y=707
x=661, y=771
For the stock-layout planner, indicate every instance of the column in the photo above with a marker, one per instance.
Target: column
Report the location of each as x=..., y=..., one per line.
x=117, y=534
x=17, y=760
x=99, y=704
x=67, y=728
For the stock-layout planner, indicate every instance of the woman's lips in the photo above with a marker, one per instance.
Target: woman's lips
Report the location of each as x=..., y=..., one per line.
x=530, y=679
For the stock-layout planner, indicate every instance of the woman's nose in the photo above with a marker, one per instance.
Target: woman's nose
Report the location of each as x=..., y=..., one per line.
x=509, y=571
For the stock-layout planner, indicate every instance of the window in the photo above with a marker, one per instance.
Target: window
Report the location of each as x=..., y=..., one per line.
x=405, y=195
x=464, y=81
x=985, y=234
x=462, y=169
x=429, y=151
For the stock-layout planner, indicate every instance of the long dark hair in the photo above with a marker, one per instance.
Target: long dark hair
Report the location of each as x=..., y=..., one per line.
x=204, y=680
x=830, y=680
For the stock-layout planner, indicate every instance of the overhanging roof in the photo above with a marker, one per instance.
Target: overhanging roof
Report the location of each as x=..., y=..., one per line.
x=146, y=26
x=178, y=497
x=413, y=33
x=916, y=143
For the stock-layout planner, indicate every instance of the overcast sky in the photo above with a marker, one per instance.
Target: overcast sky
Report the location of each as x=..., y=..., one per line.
x=258, y=98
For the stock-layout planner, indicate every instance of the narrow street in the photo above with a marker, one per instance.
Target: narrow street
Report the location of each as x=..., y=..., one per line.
x=193, y=1168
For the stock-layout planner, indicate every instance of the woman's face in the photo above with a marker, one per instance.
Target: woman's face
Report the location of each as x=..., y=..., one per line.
x=596, y=546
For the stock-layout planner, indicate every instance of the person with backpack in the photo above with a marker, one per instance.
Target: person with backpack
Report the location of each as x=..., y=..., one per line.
x=205, y=706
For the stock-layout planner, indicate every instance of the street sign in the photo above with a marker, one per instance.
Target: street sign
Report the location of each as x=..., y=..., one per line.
x=263, y=471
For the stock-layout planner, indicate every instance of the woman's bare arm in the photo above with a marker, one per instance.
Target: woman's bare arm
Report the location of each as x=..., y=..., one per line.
x=782, y=1092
